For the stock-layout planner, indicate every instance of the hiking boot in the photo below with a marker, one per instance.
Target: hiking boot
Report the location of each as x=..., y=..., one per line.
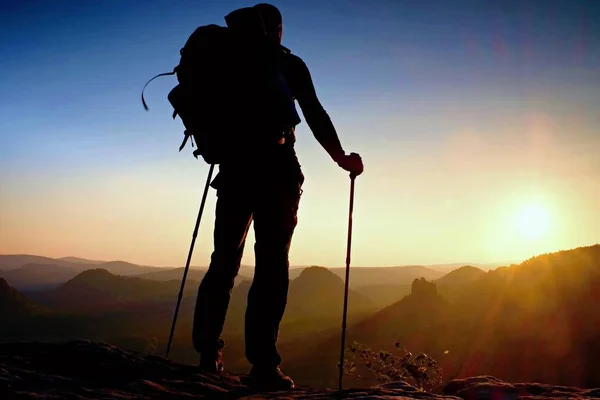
x=212, y=361
x=269, y=378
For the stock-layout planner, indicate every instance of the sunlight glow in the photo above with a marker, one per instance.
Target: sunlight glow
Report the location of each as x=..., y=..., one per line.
x=532, y=221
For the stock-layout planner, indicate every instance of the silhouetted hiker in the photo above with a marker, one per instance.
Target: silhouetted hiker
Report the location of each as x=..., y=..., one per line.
x=262, y=185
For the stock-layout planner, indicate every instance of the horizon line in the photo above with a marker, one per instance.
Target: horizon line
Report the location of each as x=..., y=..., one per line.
x=460, y=264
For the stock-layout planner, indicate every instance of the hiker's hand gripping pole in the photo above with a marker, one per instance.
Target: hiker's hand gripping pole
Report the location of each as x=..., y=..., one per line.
x=353, y=176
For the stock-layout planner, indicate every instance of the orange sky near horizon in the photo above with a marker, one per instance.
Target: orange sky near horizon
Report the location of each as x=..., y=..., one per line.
x=456, y=202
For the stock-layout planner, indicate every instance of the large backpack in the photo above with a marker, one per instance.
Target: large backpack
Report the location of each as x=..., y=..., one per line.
x=231, y=95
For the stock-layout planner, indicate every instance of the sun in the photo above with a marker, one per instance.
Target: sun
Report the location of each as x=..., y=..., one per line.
x=532, y=221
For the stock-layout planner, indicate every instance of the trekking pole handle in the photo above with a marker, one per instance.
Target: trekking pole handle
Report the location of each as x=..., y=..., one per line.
x=353, y=175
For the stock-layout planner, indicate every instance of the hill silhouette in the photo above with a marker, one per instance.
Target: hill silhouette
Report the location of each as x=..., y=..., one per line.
x=382, y=286
x=96, y=305
x=380, y=330
x=135, y=312
x=422, y=306
x=34, y=273
x=23, y=319
x=195, y=274
x=315, y=301
x=170, y=274
x=367, y=276
x=532, y=321
x=12, y=303
x=13, y=261
x=383, y=295
x=100, y=290
x=462, y=275
x=38, y=276
x=457, y=283
x=319, y=293
x=126, y=268
x=79, y=260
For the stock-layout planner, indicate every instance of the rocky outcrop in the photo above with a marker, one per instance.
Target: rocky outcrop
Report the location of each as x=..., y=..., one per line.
x=423, y=289
x=88, y=370
x=84, y=369
x=488, y=387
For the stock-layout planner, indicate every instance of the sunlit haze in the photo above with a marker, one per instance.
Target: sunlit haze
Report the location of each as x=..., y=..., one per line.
x=477, y=123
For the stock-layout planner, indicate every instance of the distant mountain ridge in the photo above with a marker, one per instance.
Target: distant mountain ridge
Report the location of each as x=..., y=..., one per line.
x=12, y=261
x=79, y=260
x=65, y=268
x=461, y=275
x=364, y=276
x=32, y=273
x=100, y=290
x=196, y=274
x=39, y=276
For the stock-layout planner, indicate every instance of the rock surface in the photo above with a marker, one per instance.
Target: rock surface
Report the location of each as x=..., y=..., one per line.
x=488, y=387
x=89, y=370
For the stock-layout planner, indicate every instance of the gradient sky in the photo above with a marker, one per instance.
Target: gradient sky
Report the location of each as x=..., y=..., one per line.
x=465, y=113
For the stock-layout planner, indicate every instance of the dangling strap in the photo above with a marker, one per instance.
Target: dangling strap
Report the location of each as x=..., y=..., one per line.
x=188, y=135
x=164, y=74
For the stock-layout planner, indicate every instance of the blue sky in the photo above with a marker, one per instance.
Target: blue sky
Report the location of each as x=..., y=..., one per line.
x=470, y=103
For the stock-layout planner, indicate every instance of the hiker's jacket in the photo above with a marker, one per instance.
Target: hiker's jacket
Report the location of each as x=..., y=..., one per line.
x=275, y=163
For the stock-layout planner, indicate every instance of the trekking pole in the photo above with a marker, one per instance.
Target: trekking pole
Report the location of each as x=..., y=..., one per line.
x=189, y=257
x=348, y=249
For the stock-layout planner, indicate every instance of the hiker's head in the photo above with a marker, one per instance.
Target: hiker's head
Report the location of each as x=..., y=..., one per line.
x=272, y=19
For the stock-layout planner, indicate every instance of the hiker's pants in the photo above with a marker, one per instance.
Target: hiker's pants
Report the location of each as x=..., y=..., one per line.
x=270, y=200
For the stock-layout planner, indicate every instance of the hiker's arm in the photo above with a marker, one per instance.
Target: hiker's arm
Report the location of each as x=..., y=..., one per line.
x=316, y=117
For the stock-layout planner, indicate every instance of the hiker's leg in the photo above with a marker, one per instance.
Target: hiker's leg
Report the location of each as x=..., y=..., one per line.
x=233, y=218
x=275, y=219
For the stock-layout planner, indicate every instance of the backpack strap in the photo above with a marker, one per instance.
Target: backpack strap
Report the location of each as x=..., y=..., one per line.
x=163, y=74
x=187, y=135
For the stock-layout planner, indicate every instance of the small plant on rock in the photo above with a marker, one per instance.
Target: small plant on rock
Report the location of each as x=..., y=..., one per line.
x=418, y=369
